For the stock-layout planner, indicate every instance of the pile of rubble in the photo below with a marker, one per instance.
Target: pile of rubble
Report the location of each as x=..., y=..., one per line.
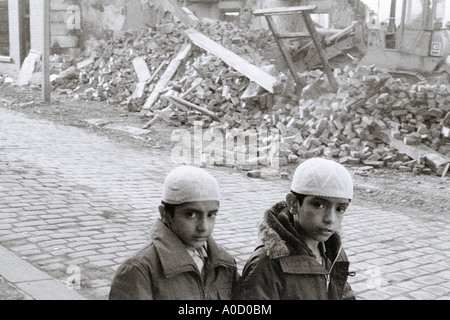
x=356, y=125
x=108, y=74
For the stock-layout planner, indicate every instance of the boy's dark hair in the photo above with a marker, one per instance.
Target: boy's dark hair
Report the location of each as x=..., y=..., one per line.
x=300, y=197
x=170, y=208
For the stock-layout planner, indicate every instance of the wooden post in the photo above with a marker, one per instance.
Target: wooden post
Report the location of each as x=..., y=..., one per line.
x=300, y=84
x=177, y=101
x=304, y=11
x=46, y=86
x=315, y=39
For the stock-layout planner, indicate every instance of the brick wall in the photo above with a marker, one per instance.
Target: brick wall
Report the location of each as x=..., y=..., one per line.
x=12, y=68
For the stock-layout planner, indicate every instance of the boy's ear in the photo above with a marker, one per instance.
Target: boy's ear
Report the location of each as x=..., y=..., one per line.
x=163, y=213
x=291, y=200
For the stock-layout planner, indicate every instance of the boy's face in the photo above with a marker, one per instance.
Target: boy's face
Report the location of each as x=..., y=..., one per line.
x=320, y=217
x=193, y=222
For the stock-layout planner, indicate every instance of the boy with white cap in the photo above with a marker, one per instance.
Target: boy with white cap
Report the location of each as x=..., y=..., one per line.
x=301, y=255
x=182, y=261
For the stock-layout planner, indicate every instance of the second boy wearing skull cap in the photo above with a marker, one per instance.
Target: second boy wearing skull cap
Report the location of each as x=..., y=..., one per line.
x=301, y=254
x=182, y=261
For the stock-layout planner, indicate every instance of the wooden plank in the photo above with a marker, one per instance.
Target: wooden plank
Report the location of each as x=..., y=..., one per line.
x=294, y=35
x=141, y=69
x=247, y=69
x=178, y=101
x=444, y=173
x=167, y=76
x=432, y=157
x=329, y=40
x=156, y=117
x=315, y=38
x=156, y=72
x=283, y=10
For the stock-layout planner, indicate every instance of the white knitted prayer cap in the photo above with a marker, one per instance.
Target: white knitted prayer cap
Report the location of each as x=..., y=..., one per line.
x=190, y=184
x=322, y=177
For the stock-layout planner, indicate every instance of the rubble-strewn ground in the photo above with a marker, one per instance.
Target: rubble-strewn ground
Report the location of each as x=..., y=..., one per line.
x=388, y=188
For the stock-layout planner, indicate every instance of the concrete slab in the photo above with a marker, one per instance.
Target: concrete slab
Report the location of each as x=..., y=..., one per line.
x=35, y=283
x=49, y=290
x=16, y=270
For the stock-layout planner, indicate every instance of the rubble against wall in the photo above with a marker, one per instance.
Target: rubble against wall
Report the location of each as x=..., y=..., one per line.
x=356, y=125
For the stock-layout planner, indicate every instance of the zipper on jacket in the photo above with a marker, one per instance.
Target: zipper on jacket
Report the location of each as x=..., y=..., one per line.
x=328, y=275
x=203, y=278
x=201, y=286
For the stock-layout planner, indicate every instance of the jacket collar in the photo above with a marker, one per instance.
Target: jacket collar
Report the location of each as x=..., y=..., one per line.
x=173, y=254
x=282, y=240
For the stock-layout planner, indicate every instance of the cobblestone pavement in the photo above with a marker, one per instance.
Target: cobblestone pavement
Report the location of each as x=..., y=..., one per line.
x=73, y=202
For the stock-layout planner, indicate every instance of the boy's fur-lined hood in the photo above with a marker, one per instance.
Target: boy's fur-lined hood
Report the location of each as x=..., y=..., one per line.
x=280, y=238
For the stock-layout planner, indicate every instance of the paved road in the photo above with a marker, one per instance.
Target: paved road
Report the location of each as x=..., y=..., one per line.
x=75, y=204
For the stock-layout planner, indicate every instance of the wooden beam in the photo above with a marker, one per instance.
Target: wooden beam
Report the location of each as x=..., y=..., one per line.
x=141, y=69
x=315, y=38
x=283, y=10
x=46, y=86
x=247, y=69
x=293, y=35
x=182, y=102
x=287, y=57
x=167, y=76
x=329, y=40
x=156, y=117
x=156, y=72
x=433, y=158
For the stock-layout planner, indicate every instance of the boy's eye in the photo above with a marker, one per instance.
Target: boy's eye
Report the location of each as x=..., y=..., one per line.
x=191, y=214
x=212, y=214
x=341, y=209
x=319, y=205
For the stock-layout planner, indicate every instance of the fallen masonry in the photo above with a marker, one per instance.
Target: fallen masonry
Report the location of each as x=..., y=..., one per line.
x=374, y=119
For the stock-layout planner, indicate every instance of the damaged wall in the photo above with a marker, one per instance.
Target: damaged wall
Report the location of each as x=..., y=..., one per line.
x=215, y=9
x=74, y=23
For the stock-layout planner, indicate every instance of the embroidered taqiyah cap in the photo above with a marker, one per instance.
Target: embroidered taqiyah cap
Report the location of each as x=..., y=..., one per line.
x=190, y=184
x=322, y=177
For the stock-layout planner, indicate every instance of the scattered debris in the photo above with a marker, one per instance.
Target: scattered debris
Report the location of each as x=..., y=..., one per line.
x=29, y=66
x=374, y=120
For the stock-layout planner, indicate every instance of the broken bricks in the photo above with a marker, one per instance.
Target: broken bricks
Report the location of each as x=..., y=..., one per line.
x=349, y=125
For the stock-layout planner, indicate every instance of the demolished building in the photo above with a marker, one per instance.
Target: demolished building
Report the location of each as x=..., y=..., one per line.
x=169, y=72
x=75, y=25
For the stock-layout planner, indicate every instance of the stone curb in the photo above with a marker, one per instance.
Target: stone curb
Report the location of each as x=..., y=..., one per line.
x=37, y=284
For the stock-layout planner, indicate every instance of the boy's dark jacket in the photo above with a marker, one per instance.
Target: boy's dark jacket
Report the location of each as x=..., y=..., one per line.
x=163, y=270
x=284, y=268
